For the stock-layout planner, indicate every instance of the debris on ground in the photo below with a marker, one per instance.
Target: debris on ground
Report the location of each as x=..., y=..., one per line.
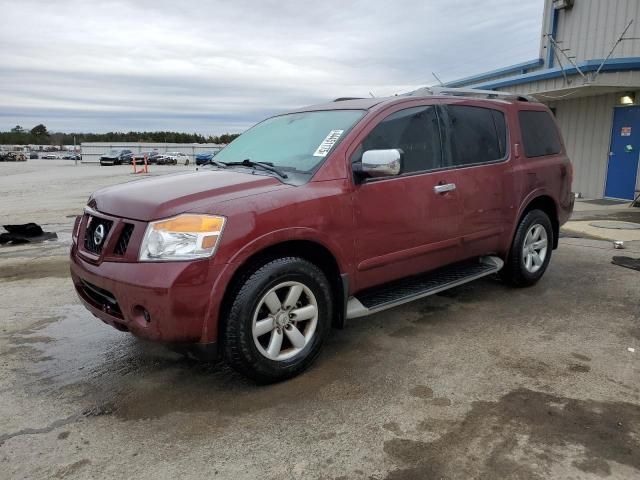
x=627, y=262
x=25, y=233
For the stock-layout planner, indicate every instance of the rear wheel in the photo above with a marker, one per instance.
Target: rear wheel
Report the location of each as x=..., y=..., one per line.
x=530, y=251
x=278, y=320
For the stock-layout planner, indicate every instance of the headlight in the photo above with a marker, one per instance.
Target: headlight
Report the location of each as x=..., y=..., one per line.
x=185, y=237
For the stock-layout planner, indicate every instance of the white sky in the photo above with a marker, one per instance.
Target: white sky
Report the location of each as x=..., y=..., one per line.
x=219, y=66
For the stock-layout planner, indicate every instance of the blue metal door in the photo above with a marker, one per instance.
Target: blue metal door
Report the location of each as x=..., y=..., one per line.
x=623, y=156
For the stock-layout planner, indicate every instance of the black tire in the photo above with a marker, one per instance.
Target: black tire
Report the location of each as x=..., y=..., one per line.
x=239, y=348
x=514, y=271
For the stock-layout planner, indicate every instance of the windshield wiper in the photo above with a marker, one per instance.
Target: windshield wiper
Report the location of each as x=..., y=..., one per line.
x=263, y=165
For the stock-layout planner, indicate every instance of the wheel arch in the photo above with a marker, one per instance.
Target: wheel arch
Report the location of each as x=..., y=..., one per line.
x=548, y=205
x=310, y=250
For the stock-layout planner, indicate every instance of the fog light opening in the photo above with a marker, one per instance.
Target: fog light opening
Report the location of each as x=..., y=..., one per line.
x=141, y=314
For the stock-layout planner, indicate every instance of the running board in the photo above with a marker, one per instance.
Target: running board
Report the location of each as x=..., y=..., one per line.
x=408, y=289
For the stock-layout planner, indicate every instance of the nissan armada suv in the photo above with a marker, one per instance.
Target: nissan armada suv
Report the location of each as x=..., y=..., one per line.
x=324, y=214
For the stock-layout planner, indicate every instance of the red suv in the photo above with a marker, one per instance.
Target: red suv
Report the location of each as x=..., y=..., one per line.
x=323, y=214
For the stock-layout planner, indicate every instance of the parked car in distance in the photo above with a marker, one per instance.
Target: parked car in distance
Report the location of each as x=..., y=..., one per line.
x=163, y=159
x=116, y=157
x=324, y=214
x=152, y=156
x=71, y=156
x=50, y=156
x=33, y=155
x=173, y=158
x=204, y=158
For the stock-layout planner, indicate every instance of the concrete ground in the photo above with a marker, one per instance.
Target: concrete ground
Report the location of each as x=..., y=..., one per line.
x=483, y=381
x=587, y=213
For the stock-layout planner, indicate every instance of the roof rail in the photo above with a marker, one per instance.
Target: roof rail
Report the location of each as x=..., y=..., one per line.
x=344, y=99
x=470, y=92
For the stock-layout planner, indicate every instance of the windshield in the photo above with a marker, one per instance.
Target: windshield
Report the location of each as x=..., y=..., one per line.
x=297, y=141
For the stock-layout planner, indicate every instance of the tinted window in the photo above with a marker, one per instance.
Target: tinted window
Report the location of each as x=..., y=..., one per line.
x=415, y=131
x=539, y=134
x=476, y=134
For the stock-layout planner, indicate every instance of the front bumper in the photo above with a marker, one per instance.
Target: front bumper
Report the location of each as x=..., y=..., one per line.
x=162, y=301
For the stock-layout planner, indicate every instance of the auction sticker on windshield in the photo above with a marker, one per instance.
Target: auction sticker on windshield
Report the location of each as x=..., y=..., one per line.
x=329, y=141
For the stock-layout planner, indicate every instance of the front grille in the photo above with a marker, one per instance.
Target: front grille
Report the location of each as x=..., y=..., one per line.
x=123, y=241
x=94, y=242
x=101, y=298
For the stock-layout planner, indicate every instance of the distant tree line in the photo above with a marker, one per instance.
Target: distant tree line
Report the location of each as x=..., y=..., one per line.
x=39, y=135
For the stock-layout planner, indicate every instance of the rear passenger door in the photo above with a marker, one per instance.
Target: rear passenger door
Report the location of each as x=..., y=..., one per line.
x=405, y=226
x=476, y=147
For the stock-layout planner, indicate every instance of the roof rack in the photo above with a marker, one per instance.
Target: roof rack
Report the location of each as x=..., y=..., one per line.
x=470, y=92
x=344, y=99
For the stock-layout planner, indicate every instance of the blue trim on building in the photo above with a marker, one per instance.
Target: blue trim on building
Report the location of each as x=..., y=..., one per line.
x=554, y=30
x=612, y=65
x=520, y=67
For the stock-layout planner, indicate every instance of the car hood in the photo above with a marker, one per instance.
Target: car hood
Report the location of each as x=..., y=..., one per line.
x=169, y=195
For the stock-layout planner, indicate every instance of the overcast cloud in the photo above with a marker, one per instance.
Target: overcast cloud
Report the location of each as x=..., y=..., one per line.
x=213, y=67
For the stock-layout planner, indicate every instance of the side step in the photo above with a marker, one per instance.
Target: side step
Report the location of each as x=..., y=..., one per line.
x=408, y=289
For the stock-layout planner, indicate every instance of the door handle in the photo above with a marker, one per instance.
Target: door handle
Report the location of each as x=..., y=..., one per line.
x=447, y=187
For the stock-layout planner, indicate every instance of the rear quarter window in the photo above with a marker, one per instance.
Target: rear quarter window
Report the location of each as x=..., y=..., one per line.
x=539, y=134
x=477, y=134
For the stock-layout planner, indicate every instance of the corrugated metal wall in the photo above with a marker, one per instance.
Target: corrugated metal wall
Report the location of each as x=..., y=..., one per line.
x=586, y=128
x=585, y=113
x=591, y=27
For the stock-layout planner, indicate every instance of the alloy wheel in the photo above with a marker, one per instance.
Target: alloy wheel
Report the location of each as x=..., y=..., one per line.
x=534, y=248
x=285, y=320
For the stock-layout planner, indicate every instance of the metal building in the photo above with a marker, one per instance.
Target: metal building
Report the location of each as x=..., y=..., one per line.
x=91, y=151
x=588, y=72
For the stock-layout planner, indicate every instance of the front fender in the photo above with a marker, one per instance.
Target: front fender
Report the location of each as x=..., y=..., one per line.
x=221, y=284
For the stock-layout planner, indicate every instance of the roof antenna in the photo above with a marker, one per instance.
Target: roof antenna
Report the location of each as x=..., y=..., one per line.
x=438, y=79
x=372, y=95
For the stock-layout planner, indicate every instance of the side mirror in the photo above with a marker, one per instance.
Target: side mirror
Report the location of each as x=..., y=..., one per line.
x=381, y=163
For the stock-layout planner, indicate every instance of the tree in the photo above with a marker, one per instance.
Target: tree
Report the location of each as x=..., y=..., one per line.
x=17, y=129
x=39, y=131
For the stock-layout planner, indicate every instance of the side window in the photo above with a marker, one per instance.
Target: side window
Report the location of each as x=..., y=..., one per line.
x=476, y=134
x=415, y=131
x=539, y=134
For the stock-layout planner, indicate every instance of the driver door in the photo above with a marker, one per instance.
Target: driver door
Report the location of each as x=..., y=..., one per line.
x=409, y=223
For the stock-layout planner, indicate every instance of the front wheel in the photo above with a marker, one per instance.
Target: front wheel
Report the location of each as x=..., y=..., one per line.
x=278, y=320
x=530, y=251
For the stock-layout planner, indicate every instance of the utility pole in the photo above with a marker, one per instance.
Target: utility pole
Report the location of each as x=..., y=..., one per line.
x=75, y=154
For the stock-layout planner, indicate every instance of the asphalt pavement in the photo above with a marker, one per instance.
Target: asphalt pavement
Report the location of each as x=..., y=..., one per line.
x=483, y=381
